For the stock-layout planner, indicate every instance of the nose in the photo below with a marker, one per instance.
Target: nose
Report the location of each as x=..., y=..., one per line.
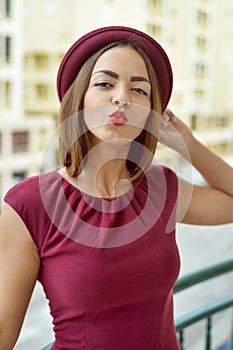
x=120, y=104
x=121, y=99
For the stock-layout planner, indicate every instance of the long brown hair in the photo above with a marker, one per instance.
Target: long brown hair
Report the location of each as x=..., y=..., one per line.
x=74, y=138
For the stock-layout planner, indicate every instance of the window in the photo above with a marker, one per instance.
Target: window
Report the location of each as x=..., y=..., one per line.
x=18, y=176
x=201, y=45
x=41, y=61
x=42, y=91
x=199, y=94
x=223, y=121
x=194, y=121
x=202, y=19
x=155, y=7
x=8, y=9
x=8, y=47
x=5, y=48
x=20, y=141
x=154, y=30
x=7, y=94
x=200, y=70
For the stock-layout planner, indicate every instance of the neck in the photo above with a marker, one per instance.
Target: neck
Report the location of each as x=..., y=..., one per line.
x=105, y=170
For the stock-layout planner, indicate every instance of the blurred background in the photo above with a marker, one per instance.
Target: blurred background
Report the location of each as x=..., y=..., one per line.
x=197, y=36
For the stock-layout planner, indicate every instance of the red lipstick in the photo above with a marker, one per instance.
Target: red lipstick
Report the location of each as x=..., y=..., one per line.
x=118, y=118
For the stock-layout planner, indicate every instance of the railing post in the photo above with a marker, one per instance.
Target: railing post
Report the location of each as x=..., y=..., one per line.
x=181, y=340
x=231, y=335
x=208, y=334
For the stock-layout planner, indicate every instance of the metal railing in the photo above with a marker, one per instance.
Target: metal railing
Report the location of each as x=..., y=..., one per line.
x=207, y=312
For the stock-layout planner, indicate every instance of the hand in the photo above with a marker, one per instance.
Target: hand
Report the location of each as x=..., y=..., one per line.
x=174, y=133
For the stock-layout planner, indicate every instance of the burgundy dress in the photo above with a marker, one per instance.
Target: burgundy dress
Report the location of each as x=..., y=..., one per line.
x=108, y=266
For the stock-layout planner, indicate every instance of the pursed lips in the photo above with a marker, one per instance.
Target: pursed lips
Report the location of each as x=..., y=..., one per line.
x=118, y=118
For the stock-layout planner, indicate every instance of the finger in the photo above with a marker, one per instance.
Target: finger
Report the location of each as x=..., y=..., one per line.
x=169, y=116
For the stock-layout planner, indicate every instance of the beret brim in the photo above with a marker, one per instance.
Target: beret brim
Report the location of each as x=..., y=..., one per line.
x=91, y=42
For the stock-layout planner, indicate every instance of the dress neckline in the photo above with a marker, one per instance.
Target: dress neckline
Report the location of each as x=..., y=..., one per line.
x=107, y=199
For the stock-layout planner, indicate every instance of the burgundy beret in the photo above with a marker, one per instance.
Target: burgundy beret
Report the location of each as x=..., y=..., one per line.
x=91, y=42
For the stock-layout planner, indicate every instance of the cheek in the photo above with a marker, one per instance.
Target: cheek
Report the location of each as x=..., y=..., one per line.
x=95, y=115
x=94, y=98
x=87, y=100
x=90, y=98
x=138, y=115
x=89, y=116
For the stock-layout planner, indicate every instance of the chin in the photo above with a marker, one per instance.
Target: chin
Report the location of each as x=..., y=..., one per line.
x=125, y=134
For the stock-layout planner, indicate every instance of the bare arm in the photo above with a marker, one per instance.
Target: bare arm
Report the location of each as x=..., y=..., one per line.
x=210, y=205
x=19, y=266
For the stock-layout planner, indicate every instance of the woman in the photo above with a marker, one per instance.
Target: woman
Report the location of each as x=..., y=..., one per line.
x=99, y=233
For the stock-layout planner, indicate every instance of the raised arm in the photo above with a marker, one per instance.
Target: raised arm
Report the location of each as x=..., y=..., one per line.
x=19, y=266
x=211, y=204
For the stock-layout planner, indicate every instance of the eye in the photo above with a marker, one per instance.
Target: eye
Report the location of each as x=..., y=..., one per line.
x=103, y=84
x=140, y=91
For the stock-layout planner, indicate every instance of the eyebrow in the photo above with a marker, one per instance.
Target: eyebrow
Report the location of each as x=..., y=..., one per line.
x=116, y=76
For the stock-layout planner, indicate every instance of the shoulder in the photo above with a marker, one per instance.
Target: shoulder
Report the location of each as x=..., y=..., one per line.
x=163, y=183
x=27, y=193
x=22, y=186
x=22, y=192
x=26, y=199
x=30, y=187
x=156, y=172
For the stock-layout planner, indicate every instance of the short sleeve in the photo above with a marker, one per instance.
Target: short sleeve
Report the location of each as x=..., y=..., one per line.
x=26, y=201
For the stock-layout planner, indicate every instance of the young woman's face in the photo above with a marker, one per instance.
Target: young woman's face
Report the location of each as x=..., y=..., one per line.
x=118, y=99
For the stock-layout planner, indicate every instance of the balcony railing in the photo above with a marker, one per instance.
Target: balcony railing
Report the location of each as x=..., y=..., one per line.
x=204, y=313
x=207, y=312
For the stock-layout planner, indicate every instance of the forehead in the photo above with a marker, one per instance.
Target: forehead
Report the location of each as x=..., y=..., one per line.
x=122, y=59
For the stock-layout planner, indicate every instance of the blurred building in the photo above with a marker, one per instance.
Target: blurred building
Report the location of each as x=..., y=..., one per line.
x=34, y=35
x=50, y=27
x=21, y=140
x=198, y=37
x=197, y=34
